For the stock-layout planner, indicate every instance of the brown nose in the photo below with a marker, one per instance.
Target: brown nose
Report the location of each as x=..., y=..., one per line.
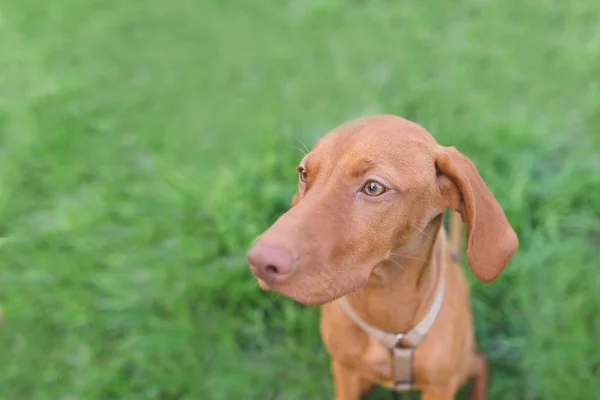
x=271, y=263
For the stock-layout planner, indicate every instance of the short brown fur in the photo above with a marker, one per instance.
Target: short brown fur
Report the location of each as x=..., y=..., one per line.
x=387, y=254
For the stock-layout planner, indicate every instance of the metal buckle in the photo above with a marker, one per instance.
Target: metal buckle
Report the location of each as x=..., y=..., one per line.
x=398, y=337
x=454, y=255
x=391, y=340
x=403, y=386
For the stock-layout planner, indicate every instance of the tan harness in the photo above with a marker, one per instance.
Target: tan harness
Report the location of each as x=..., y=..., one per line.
x=402, y=366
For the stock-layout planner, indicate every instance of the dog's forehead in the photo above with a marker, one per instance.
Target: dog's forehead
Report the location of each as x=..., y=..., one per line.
x=375, y=139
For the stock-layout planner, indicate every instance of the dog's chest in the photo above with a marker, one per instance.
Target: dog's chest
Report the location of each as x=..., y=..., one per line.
x=376, y=360
x=352, y=346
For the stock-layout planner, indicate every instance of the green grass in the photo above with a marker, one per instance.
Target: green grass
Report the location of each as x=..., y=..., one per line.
x=143, y=145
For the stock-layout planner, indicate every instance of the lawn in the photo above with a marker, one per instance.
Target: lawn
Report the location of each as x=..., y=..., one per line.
x=144, y=144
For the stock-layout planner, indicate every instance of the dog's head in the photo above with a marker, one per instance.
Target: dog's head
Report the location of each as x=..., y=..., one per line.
x=368, y=187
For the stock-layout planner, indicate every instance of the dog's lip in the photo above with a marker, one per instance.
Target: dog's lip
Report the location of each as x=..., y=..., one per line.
x=263, y=285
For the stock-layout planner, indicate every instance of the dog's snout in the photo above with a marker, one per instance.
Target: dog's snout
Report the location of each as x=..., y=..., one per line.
x=271, y=263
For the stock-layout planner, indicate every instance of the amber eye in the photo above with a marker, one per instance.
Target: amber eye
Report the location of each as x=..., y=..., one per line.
x=373, y=188
x=302, y=174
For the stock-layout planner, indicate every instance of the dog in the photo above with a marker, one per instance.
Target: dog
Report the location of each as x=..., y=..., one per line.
x=365, y=239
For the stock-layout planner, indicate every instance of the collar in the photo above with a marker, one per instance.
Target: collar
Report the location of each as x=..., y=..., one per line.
x=402, y=355
x=413, y=336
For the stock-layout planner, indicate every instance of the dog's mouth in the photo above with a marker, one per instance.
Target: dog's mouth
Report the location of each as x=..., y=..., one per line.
x=294, y=293
x=263, y=285
x=310, y=294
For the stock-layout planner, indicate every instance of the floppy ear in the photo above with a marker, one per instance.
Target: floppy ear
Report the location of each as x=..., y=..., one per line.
x=490, y=241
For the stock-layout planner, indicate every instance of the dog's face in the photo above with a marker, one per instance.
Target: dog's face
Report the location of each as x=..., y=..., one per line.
x=368, y=187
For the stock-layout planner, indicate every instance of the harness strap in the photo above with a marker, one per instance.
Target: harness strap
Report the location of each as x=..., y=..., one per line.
x=402, y=367
x=402, y=355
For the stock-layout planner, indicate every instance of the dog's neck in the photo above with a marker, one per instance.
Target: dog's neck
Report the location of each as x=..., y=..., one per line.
x=402, y=288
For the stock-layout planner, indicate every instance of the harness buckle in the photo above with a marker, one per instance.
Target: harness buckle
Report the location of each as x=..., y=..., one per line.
x=391, y=340
x=398, y=337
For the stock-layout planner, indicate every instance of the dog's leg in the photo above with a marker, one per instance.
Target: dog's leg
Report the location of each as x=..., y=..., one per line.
x=478, y=375
x=348, y=385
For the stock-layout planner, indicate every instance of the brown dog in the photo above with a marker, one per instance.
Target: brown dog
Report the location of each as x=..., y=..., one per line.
x=365, y=239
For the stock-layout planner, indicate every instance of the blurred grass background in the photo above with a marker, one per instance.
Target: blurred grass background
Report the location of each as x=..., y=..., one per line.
x=144, y=144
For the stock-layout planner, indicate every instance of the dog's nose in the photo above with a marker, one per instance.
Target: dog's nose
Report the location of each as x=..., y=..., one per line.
x=270, y=262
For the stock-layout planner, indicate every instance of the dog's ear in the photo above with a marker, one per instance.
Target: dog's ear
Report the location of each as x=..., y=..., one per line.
x=490, y=240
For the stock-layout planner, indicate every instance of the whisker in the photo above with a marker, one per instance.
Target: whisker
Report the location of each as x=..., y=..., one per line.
x=398, y=264
x=414, y=258
x=298, y=148
x=302, y=143
x=424, y=233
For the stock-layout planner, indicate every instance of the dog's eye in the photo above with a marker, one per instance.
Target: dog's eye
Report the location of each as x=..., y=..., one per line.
x=373, y=188
x=302, y=174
